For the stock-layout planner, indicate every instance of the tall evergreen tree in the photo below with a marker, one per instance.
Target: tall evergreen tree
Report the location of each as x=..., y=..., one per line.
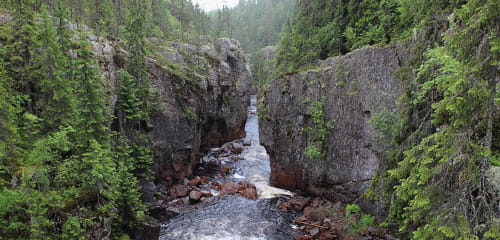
x=57, y=102
x=93, y=114
x=136, y=45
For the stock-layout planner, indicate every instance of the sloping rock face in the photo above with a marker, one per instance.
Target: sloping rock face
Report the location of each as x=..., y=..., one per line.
x=354, y=88
x=203, y=92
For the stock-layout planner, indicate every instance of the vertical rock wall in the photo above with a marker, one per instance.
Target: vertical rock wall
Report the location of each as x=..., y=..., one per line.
x=354, y=87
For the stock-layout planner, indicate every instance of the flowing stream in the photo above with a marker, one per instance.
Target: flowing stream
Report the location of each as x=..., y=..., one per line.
x=235, y=217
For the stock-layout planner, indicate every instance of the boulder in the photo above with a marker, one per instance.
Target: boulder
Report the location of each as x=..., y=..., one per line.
x=250, y=193
x=298, y=203
x=148, y=192
x=180, y=191
x=228, y=188
x=195, y=196
x=195, y=181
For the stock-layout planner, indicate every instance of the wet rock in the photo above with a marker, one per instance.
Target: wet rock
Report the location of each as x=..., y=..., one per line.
x=285, y=176
x=148, y=191
x=157, y=212
x=172, y=212
x=206, y=193
x=150, y=230
x=180, y=191
x=228, y=188
x=298, y=203
x=237, y=148
x=250, y=193
x=224, y=170
x=195, y=196
x=195, y=181
x=314, y=232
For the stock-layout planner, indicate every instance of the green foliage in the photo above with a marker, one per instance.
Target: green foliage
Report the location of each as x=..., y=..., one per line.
x=319, y=131
x=74, y=228
x=494, y=231
x=440, y=175
x=495, y=160
x=386, y=123
x=131, y=210
x=365, y=220
x=321, y=29
x=93, y=119
x=58, y=103
x=67, y=175
x=352, y=209
x=256, y=24
x=13, y=216
x=129, y=102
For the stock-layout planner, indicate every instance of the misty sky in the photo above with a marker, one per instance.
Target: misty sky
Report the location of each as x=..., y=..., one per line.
x=208, y=5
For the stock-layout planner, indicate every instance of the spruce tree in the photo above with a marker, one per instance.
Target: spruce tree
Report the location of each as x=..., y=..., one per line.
x=93, y=115
x=57, y=101
x=135, y=37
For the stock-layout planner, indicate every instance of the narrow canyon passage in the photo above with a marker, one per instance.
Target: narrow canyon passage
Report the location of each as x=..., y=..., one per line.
x=236, y=217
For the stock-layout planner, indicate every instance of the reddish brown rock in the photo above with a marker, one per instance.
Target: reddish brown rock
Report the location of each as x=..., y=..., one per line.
x=224, y=170
x=206, y=193
x=195, y=181
x=298, y=203
x=243, y=185
x=195, y=196
x=250, y=193
x=307, y=212
x=287, y=177
x=228, y=188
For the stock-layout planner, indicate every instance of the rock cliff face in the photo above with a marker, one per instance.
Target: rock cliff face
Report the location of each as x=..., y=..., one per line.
x=203, y=94
x=200, y=111
x=354, y=88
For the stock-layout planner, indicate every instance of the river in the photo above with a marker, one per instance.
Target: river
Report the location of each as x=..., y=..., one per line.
x=235, y=217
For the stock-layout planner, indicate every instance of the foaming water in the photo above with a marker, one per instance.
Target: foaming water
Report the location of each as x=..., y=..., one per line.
x=235, y=217
x=231, y=217
x=256, y=167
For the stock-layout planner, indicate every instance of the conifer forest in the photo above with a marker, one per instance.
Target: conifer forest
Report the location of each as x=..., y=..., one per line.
x=272, y=119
